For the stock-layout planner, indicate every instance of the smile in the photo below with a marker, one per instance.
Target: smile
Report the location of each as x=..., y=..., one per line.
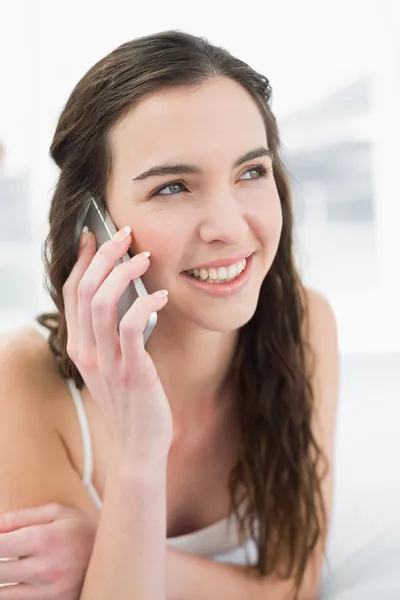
x=223, y=274
x=222, y=280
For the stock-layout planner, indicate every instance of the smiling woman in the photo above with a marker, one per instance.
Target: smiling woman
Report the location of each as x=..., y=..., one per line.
x=226, y=196
x=229, y=410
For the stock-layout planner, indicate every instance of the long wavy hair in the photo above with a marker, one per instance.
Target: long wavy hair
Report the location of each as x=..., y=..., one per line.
x=272, y=367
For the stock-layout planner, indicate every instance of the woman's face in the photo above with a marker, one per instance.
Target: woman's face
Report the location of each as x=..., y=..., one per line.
x=220, y=208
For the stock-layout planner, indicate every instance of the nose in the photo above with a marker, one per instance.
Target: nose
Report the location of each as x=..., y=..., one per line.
x=223, y=220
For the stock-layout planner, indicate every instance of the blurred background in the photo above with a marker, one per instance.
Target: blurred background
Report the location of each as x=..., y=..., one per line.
x=335, y=71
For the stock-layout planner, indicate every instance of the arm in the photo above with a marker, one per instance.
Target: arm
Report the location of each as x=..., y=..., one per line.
x=128, y=557
x=193, y=578
x=131, y=535
x=35, y=470
x=34, y=465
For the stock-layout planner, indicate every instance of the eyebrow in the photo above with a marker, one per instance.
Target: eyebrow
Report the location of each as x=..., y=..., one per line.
x=178, y=169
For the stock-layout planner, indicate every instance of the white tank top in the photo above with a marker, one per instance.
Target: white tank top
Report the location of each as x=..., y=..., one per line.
x=218, y=541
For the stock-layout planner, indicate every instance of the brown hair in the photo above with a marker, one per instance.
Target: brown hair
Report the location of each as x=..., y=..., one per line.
x=280, y=456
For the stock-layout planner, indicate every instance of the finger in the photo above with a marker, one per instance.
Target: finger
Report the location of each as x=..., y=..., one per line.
x=17, y=571
x=70, y=296
x=133, y=325
x=19, y=543
x=104, y=306
x=99, y=268
x=37, y=515
x=22, y=591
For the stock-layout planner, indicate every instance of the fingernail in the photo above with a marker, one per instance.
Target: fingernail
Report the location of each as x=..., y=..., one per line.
x=122, y=234
x=141, y=257
x=161, y=294
x=83, y=239
x=84, y=235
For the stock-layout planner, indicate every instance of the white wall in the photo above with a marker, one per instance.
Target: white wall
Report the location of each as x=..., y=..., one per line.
x=15, y=84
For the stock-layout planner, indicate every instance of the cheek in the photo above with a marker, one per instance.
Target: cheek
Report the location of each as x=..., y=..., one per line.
x=266, y=218
x=277, y=219
x=149, y=228
x=161, y=233
x=155, y=228
x=55, y=575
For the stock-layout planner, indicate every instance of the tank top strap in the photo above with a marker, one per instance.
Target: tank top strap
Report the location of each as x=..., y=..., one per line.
x=85, y=432
x=87, y=474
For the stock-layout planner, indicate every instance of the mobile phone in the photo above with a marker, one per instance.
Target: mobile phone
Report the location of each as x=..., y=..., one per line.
x=99, y=222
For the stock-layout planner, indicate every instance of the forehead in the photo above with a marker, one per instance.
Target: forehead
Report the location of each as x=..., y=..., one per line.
x=215, y=119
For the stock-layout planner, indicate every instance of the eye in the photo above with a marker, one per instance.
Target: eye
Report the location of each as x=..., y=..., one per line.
x=176, y=187
x=260, y=172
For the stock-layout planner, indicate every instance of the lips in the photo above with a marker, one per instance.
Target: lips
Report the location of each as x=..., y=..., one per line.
x=221, y=288
x=225, y=262
x=222, y=274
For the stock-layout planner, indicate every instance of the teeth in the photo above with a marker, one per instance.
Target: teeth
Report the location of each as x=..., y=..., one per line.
x=232, y=271
x=220, y=275
x=203, y=274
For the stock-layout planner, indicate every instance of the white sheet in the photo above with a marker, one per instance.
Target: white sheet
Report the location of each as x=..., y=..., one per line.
x=364, y=542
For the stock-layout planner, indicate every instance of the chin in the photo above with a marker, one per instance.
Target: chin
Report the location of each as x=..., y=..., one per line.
x=223, y=318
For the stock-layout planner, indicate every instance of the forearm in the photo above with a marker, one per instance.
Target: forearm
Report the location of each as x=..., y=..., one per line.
x=193, y=578
x=128, y=559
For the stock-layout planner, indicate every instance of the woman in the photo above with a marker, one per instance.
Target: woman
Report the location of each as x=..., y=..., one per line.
x=229, y=411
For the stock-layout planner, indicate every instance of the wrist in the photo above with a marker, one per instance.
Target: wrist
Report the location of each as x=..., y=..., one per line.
x=130, y=463
x=134, y=447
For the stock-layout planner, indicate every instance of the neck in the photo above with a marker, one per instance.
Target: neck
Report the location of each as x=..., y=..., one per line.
x=193, y=365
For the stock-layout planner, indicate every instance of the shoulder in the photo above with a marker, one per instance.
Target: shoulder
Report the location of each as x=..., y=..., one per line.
x=320, y=319
x=28, y=370
x=31, y=396
x=31, y=387
x=24, y=345
x=321, y=335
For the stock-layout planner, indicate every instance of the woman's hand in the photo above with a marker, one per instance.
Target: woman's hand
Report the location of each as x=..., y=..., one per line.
x=117, y=370
x=49, y=554
x=52, y=545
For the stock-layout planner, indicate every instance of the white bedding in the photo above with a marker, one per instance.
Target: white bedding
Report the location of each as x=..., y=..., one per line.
x=364, y=542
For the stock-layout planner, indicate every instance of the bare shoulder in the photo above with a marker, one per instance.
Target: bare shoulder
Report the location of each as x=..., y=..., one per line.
x=37, y=469
x=30, y=380
x=322, y=337
x=26, y=362
x=320, y=321
x=320, y=332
